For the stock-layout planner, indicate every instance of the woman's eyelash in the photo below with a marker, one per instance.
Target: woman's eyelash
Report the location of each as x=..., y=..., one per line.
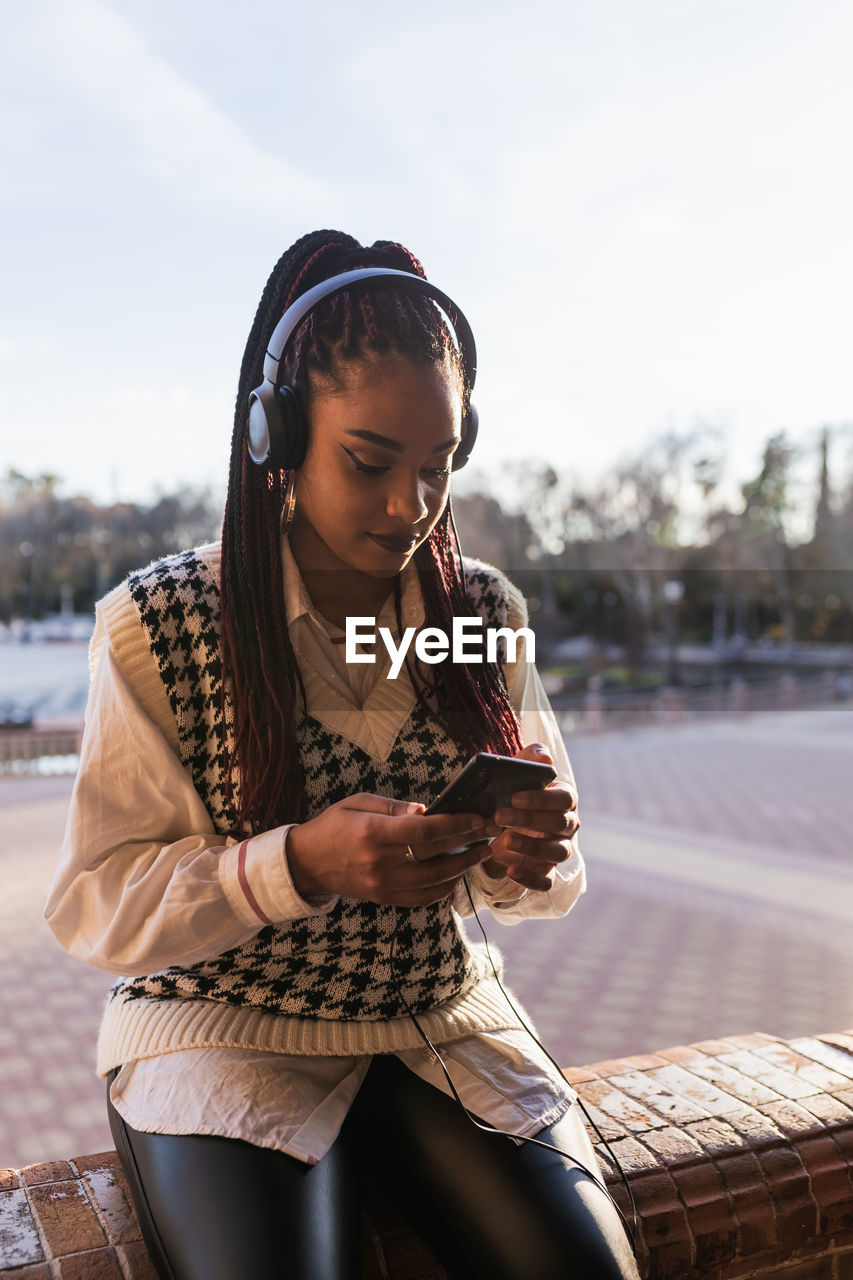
x=366, y=469
x=363, y=466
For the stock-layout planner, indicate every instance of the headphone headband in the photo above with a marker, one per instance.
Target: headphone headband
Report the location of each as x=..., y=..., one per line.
x=298, y=310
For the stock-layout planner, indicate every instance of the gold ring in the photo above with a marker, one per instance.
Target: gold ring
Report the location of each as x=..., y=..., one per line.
x=410, y=857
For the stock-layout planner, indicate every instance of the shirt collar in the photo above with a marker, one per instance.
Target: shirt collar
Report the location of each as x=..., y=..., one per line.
x=298, y=604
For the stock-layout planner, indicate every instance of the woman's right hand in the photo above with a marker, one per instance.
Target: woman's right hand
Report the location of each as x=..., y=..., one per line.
x=357, y=848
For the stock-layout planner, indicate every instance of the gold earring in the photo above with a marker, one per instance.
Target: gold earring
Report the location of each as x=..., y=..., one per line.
x=289, y=504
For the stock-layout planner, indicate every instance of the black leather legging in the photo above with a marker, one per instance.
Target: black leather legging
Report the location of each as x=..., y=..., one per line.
x=218, y=1209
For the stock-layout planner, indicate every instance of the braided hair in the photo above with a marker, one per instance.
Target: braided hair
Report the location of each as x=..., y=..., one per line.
x=262, y=687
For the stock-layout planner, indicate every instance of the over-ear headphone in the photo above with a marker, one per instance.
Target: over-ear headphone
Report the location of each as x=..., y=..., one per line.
x=278, y=426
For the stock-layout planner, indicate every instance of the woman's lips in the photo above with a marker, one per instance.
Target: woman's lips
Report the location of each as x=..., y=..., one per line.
x=396, y=544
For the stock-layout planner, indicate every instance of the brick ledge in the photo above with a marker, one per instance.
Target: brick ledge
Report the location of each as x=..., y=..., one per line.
x=738, y=1152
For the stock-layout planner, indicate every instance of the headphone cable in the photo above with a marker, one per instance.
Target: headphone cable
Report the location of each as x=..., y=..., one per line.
x=558, y=1068
x=488, y=1128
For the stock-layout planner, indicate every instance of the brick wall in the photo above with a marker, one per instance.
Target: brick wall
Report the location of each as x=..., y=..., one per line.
x=70, y=1220
x=738, y=1152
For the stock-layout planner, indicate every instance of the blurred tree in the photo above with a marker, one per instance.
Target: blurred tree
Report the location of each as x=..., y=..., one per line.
x=490, y=533
x=825, y=578
x=630, y=524
x=763, y=530
x=69, y=550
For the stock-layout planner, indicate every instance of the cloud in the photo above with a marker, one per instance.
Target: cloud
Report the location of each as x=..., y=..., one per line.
x=137, y=114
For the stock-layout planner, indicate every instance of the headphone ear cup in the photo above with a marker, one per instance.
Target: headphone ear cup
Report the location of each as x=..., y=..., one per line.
x=470, y=426
x=278, y=429
x=290, y=439
x=262, y=412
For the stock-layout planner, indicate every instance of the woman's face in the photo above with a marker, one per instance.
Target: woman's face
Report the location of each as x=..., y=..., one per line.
x=376, y=472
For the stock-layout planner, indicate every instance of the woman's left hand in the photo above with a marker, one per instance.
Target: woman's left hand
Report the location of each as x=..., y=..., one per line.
x=538, y=830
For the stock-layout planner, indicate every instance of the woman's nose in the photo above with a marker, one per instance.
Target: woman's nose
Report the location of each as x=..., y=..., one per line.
x=406, y=501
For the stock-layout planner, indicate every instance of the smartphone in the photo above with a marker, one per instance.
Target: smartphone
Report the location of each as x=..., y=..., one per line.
x=487, y=783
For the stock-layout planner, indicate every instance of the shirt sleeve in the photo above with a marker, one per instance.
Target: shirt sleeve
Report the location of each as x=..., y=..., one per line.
x=508, y=901
x=143, y=880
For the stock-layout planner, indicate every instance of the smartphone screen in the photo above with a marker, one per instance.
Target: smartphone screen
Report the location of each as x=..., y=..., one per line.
x=487, y=783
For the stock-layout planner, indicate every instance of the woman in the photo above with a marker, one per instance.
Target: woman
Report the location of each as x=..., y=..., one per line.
x=247, y=840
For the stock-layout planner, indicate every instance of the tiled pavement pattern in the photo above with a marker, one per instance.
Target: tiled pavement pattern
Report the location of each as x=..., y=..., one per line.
x=776, y=780
x=650, y=957
x=51, y=1103
x=720, y=897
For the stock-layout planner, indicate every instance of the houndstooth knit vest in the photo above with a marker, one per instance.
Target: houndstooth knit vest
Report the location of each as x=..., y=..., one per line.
x=335, y=966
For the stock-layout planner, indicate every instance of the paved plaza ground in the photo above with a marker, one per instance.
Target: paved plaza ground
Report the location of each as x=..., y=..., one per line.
x=720, y=900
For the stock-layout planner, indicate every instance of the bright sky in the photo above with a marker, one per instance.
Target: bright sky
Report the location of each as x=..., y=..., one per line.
x=643, y=206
